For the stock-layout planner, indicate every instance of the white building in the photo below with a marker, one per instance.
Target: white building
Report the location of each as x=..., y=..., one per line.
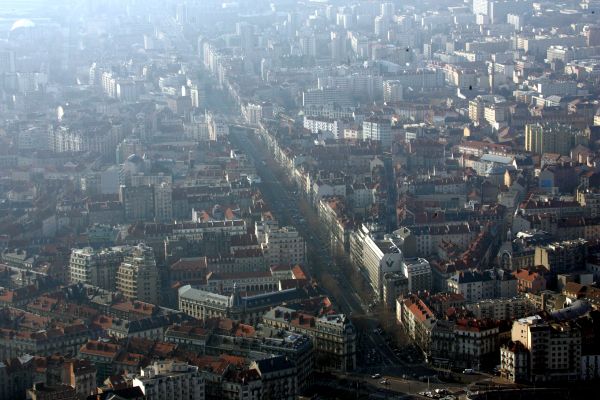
x=171, y=380
x=392, y=91
x=418, y=273
x=378, y=129
x=284, y=245
x=322, y=124
x=96, y=267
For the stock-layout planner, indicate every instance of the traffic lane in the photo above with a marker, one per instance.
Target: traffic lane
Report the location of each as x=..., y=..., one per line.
x=273, y=190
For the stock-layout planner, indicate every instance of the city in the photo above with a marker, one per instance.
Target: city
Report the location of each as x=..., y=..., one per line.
x=299, y=199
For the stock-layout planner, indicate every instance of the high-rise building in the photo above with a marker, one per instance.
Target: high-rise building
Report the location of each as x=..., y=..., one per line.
x=549, y=138
x=245, y=32
x=551, y=350
x=392, y=91
x=284, y=246
x=128, y=147
x=96, y=267
x=138, y=202
x=562, y=257
x=379, y=130
x=163, y=202
x=138, y=275
x=7, y=61
x=592, y=35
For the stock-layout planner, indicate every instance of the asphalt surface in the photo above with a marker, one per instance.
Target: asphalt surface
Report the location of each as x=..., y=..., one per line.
x=375, y=354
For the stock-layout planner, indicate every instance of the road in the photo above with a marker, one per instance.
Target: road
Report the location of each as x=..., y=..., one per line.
x=290, y=209
x=286, y=206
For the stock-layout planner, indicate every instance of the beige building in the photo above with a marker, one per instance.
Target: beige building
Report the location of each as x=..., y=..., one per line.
x=96, y=267
x=284, y=246
x=138, y=276
x=554, y=349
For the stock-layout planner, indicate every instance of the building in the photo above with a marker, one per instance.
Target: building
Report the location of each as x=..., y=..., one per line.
x=394, y=285
x=44, y=342
x=418, y=273
x=103, y=355
x=138, y=276
x=553, y=349
x=334, y=336
x=16, y=376
x=278, y=376
x=502, y=309
x=417, y=319
x=392, y=91
x=479, y=285
x=562, y=257
x=550, y=138
x=530, y=281
x=170, y=380
x=96, y=267
x=203, y=304
x=379, y=130
x=41, y=391
x=163, y=202
x=514, y=361
x=487, y=108
x=138, y=202
x=284, y=245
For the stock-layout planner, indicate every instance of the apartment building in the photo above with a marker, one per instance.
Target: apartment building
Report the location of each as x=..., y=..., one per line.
x=278, y=376
x=562, y=257
x=502, y=309
x=45, y=342
x=284, y=245
x=138, y=276
x=553, y=349
x=170, y=380
x=96, y=267
x=334, y=336
x=478, y=285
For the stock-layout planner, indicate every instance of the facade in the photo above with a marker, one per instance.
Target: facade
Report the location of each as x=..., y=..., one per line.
x=278, y=377
x=418, y=273
x=138, y=202
x=163, y=202
x=553, y=347
x=502, y=309
x=284, y=246
x=96, y=267
x=334, y=336
x=379, y=130
x=16, y=376
x=549, y=138
x=138, y=276
x=479, y=285
x=202, y=304
x=170, y=380
x=392, y=91
x=562, y=257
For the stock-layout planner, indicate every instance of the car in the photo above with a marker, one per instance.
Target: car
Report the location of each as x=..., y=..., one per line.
x=468, y=371
x=384, y=382
x=375, y=376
